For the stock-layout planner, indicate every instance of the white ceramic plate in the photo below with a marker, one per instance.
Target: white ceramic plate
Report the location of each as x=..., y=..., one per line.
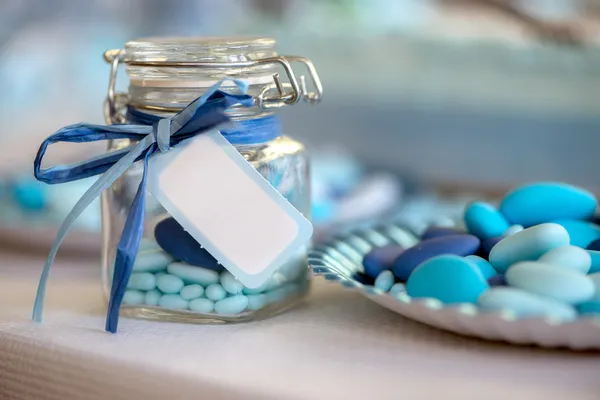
x=338, y=259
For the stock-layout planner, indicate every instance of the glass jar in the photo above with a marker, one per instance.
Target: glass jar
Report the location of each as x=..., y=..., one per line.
x=173, y=278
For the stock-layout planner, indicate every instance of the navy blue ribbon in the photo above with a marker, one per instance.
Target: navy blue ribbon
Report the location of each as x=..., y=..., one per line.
x=248, y=131
x=202, y=115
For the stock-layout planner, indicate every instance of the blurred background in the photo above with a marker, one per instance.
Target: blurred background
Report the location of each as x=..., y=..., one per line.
x=428, y=103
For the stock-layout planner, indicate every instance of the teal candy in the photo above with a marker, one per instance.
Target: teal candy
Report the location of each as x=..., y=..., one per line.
x=596, y=281
x=231, y=305
x=398, y=288
x=151, y=260
x=152, y=297
x=589, y=308
x=215, y=292
x=173, y=302
x=524, y=304
x=512, y=230
x=448, y=278
x=547, y=280
x=595, y=255
x=193, y=274
x=202, y=305
x=191, y=292
x=169, y=284
x=582, y=233
x=527, y=245
x=484, y=266
x=30, y=194
x=539, y=203
x=256, y=301
x=142, y=281
x=230, y=284
x=484, y=221
x=571, y=257
x=133, y=297
x=384, y=281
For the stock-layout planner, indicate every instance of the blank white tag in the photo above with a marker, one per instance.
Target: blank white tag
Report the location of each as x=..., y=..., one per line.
x=228, y=207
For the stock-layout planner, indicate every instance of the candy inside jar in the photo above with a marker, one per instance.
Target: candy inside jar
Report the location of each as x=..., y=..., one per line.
x=200, y=284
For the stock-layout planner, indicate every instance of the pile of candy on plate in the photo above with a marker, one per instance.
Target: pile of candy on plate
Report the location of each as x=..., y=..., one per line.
x=32, y=204
x=536, y=255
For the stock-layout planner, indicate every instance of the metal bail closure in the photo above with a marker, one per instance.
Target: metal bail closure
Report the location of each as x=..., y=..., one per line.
x=274, y=95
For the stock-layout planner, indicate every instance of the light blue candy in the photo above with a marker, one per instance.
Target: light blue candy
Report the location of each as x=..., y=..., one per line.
x=589, y=308
x=561, y=284
x=546, y=202
x=595, y=255
x=230, y=284
x=484, y=221
x=173, y=301
x=571, y=257
x=527, y=245
x=159, y=274
x=133, y=297
x=281, y=293
x=582, y=233
x=595, y=278
x=448, y=278
x=484, y=266
x=257, y=301
x=385, y=280
x=191, y=292
x=397, y=289
x=231, y=305
x=151, y=261
x=193, y=274
x=215, y=292
x=257, y=290
x=142, y=281
x=512, y=230
x=148, y=244
x=524, y=304
x=169, y=284
x=152, y=297
x=276, y=280
x=202, y=305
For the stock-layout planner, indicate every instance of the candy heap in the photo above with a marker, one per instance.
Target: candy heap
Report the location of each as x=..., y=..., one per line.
x=536, y=255
x=173, y=271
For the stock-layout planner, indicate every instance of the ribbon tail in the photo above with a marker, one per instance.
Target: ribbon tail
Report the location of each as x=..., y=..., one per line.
x=107, y=179
x=127, y=251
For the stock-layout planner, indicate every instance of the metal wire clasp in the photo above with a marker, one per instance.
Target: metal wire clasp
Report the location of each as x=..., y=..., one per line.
x=274, y=95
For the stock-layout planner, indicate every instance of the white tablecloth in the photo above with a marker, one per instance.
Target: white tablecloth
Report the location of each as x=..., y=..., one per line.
x=337, y=345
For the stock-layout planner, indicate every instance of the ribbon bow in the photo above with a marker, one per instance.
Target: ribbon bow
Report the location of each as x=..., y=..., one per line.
x=203, y=114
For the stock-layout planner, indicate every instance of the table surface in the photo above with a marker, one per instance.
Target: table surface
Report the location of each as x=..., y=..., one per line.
x=336, y=345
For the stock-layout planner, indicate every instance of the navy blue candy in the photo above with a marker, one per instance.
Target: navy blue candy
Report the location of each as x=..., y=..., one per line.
x=595, y=245
x=497, y=280
x=364, y=279
x=381, y=259
x=438, y=231
x=182, y=246
x=460, y=245
x=487, y=245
